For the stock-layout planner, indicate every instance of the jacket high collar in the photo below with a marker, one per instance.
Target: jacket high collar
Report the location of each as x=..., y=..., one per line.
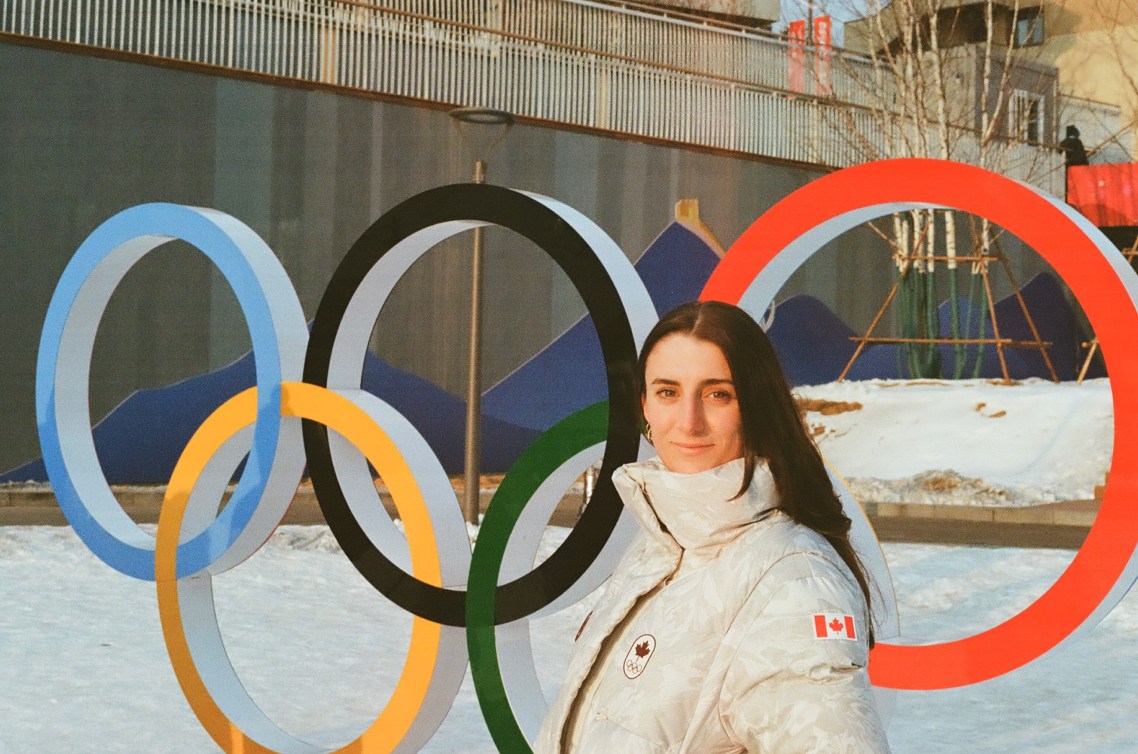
x=695, y=511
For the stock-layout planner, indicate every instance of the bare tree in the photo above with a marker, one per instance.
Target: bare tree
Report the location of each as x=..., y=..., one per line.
x=954, y=80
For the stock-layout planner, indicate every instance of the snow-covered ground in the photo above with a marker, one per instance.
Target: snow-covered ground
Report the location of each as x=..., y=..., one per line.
x=968, y=442
x=83, y=667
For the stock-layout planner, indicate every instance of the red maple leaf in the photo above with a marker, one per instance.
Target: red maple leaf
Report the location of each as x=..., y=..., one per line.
x=642, y=649
x=836, y=625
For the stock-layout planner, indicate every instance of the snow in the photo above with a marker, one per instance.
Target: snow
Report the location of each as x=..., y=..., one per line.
x=83, y=667
x=967, y=442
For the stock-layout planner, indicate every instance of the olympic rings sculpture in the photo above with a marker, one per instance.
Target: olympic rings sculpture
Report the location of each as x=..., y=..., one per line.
x=307, y=385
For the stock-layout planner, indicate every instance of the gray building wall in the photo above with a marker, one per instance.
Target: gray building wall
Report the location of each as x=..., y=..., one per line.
x=85, y=137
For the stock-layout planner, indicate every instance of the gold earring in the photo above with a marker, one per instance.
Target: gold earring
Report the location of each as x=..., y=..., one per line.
x=648, y=433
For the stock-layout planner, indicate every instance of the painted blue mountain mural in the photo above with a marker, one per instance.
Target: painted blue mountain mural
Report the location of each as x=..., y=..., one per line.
x=140, y=440
x=674, y=269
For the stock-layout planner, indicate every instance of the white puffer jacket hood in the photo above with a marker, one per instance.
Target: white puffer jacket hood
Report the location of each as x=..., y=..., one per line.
x=695, y=512
x=725, y=628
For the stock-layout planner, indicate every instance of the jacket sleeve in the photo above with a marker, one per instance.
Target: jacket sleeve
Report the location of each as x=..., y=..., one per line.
x=788, y=689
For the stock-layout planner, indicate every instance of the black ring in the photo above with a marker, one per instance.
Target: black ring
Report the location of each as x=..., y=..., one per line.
x=530, y=218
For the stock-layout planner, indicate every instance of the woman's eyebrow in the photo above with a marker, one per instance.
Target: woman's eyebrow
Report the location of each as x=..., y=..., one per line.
x=704, y=383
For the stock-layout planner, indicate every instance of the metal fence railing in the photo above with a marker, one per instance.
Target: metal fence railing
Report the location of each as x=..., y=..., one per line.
x=570, y=61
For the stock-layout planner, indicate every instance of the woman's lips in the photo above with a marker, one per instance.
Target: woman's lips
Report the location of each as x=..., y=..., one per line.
x=691, y=447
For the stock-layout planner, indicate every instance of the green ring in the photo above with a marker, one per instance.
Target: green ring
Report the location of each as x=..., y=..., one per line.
x=548, y=452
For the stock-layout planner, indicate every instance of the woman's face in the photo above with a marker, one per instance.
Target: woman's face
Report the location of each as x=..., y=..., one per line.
x=691, y=404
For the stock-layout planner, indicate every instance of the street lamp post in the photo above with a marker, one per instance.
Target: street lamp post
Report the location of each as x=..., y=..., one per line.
x=483, y=129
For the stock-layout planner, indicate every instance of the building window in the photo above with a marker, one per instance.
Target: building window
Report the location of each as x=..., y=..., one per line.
x=1029, y=27
x=1027, y=116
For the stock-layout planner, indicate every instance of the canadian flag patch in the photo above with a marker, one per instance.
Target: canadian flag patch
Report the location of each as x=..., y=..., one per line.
x=834, y=626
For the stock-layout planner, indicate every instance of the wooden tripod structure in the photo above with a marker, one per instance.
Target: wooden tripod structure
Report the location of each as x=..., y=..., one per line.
x=1129, y=253
x=980, y=261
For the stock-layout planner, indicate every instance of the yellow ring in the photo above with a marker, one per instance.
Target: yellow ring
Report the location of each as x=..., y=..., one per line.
x=338, y=413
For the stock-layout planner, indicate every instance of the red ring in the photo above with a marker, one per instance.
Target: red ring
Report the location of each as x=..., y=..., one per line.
x=1107, y=554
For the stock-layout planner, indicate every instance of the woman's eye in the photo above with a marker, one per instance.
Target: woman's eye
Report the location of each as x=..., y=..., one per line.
x=666, y=392
x=721, y=395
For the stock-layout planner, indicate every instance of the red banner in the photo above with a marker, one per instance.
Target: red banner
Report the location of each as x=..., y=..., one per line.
x=796, y=59
x=822, y=38
x=1105, y=194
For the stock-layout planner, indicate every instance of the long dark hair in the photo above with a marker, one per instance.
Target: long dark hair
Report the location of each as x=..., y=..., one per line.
x=772, y=426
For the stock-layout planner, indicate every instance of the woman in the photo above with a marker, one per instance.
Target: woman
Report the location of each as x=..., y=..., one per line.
x=739, y=621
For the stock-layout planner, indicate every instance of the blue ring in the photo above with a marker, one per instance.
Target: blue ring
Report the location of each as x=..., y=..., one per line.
x=148, y=226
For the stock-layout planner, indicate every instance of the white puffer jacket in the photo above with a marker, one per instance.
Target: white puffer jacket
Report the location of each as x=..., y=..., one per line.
x=723, y=629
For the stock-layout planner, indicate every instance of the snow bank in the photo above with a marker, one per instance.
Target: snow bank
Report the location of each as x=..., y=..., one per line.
x=968, y=442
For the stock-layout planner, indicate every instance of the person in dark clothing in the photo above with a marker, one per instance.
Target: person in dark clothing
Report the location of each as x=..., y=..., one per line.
x=1073, y=149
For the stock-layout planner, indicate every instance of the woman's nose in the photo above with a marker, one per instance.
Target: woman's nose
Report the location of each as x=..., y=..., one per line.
x=692, y=419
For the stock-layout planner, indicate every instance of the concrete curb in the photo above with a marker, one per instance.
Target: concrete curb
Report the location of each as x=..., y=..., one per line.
x=1054, y=525
x=23, y=505
x=1060, y=525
